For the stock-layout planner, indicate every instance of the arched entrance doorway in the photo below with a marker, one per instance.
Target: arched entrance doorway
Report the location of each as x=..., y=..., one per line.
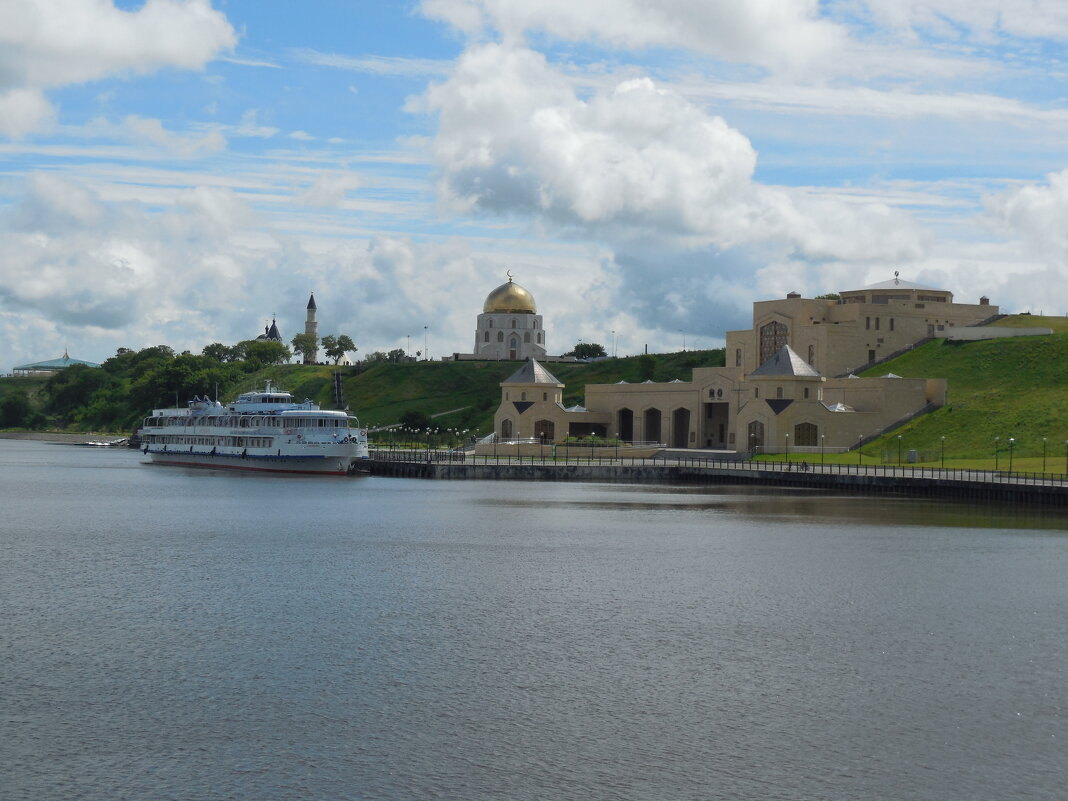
x=755, y=435
x=625, y=425
x=680, y=428
x=544, y=430
x=652, y=425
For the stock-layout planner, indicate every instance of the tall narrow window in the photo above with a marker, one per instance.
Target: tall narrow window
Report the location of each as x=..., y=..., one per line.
x=737, y=357
x=772, y=337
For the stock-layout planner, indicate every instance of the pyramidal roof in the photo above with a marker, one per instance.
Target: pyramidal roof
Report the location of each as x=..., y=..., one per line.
x=785, y=362
x=55, y=364
x=532, y=373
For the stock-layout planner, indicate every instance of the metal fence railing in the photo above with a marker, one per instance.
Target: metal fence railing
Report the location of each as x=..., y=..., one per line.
x=728, y=465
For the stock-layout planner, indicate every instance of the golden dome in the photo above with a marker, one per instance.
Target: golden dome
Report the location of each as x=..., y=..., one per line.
x=509, y=298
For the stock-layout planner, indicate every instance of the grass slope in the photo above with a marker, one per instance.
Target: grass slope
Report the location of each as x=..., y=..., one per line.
x=466, y=394
x=997, y=388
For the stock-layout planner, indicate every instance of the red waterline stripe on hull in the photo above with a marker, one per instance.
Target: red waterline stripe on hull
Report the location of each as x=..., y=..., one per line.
x=215, y=466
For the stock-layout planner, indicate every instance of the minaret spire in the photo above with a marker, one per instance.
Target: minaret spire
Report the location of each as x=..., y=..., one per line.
x=311, y=326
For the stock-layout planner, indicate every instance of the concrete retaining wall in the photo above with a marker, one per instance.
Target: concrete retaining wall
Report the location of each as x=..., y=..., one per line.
x=863, y=484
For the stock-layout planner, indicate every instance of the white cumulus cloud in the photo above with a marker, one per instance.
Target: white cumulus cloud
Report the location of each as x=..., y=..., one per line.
x=775, y=33
x=46, y=44
x=514, y=137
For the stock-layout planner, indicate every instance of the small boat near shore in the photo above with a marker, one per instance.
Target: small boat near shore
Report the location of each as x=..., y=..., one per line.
x=264, y=430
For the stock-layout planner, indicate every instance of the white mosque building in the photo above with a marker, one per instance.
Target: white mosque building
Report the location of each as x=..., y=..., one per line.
x=509, y=327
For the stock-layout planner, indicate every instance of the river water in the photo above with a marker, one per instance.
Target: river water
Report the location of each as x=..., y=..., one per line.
x=168, y=633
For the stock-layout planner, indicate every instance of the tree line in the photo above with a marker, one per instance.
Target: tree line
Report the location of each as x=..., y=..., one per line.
x=118, y=394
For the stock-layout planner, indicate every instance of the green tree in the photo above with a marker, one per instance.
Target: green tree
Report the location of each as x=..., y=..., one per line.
x=305, y=345
x=258, y=353
x=71, y=389
x=588, y=350
x=219, y=352
x=395, y=355
x=15, y=410
x=414, y=419
x=337, y=346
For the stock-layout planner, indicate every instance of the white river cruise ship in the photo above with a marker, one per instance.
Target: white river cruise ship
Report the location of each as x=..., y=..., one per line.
x=263, y=430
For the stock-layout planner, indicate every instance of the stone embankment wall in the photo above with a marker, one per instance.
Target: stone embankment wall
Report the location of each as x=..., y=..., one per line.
x=1009, y=491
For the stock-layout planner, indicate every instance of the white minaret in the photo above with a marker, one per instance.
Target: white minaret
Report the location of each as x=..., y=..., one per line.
x=312, y=327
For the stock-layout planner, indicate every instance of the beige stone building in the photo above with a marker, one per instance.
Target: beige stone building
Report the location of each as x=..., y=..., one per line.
x=840, y=336
x=786, y=401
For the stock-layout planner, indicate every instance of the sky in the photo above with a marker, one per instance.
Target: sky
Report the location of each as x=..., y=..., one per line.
x=180, y=171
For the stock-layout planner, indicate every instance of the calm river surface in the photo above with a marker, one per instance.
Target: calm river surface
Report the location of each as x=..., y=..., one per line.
x=178, y=634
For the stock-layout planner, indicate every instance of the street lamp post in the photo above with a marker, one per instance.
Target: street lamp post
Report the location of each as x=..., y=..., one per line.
x=823, y=438
x=899, y=449
x=426, y=354
x=860, y=455
x=613, y=343
x=1011, y=442
x=1043, y=454
x=997, y=443
x=943, y=452
x=788, y=448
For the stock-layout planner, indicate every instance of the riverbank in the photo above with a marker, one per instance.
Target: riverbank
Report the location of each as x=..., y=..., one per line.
x=59, y=437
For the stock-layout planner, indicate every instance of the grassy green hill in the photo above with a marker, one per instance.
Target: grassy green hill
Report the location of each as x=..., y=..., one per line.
x=466, y=394
x=999, y=388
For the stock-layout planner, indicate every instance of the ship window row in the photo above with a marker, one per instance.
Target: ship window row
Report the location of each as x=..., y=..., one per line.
x=249, y=421
x=210, y=442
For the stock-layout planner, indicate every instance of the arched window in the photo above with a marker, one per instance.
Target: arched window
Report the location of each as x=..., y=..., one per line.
x=491, y=323
x=522, y=396
x=805, y=434
x=526, y=336
x=778, y=392
x=487, y=336
x=515, y=342
x=500, y=336
x=811, y=354
x=737, y=357
x=772, y=337
x=506, y=429
x=513, y=323
x=539, y=337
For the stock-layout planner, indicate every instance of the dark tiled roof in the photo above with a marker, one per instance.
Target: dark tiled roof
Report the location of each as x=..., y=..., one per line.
x=532, y=373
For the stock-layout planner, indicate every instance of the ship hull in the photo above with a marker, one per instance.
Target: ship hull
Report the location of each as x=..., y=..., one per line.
x=320, y=464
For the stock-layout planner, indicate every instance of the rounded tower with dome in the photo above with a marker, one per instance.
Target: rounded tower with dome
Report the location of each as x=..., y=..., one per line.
x=510, y=327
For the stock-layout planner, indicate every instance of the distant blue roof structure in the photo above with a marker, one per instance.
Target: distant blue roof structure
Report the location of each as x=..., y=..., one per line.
x=50, y=366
